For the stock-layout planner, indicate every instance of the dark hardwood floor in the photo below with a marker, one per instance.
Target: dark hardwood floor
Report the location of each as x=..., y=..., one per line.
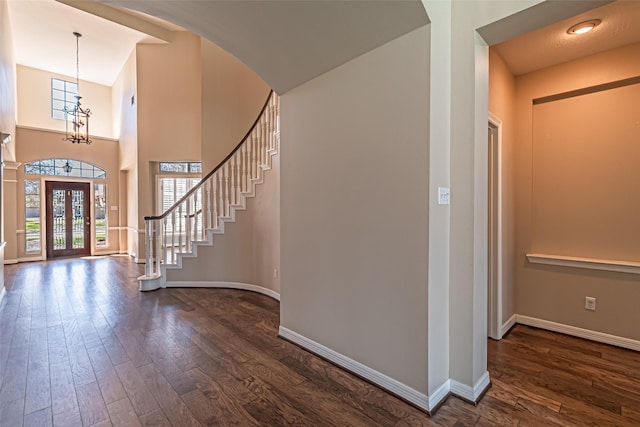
x=79, y=345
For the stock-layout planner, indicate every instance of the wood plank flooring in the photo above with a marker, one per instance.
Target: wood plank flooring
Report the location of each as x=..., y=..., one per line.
x=80, y=346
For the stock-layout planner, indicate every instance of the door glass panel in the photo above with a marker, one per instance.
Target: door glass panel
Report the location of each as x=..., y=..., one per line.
x=59, y=226
x=78, y=218
x=100, y=216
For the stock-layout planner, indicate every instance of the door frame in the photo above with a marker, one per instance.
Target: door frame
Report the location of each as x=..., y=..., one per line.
x=494, y=306
x=44, y=218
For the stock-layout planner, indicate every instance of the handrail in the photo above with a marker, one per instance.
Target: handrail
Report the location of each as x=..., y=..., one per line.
x=206, y=207
x=198, y=212
x=210, y=174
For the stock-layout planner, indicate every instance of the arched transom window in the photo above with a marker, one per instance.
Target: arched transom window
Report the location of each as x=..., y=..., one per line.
x=64, y=167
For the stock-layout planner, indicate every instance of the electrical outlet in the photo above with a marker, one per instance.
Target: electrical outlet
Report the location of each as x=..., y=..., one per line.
x=590, y=303
x=275, y=273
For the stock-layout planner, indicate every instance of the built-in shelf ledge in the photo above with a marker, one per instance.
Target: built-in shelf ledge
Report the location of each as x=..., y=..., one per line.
x=590, y=263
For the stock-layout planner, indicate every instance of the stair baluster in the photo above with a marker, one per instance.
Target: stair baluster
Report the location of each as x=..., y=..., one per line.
x=204, y=209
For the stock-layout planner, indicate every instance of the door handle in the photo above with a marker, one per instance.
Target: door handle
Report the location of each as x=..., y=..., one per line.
x=87, y=221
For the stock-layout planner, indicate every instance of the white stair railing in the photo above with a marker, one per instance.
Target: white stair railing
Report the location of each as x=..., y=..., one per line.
x=214, y=199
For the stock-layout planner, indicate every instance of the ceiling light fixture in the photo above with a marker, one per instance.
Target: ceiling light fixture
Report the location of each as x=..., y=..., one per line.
x=77, y=129
x=584, y=27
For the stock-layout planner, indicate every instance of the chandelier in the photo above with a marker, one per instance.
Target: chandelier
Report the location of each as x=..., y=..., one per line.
x=77, y=129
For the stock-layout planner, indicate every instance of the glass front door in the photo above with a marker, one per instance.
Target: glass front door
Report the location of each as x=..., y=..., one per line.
x=68, y=219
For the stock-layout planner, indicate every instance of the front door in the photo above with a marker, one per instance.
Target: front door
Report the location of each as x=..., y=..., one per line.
x=68, y=219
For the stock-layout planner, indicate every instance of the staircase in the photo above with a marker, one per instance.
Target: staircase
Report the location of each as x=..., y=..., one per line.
x=205, y=209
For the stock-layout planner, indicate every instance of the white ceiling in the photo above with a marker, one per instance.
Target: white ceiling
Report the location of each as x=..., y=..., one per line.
x=328, y=33
x=290, y=42
x=552, y=45
x=43, y=38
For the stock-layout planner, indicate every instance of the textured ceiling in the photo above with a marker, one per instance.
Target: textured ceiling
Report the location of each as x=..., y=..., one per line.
x=552, y=45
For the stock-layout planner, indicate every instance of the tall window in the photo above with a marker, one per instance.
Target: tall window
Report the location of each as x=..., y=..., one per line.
x=170, y=191
x=32, y=216
x=62, y=94
x=100, y=196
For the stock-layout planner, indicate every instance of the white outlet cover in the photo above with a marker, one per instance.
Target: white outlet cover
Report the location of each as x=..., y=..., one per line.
x=444, y=195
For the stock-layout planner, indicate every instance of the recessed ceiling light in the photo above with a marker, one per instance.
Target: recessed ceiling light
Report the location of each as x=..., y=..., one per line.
x=584, y=27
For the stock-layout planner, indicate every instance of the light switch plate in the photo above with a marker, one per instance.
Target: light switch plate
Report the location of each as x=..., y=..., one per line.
x=443, y=195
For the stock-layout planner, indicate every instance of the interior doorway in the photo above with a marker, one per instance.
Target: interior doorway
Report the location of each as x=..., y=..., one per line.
x=68, y=216
x=494, y=227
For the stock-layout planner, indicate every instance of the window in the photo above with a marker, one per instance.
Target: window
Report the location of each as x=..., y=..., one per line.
x=56, y=167
x=181, y=167
x=32, y=216
x=171, y=190
x=62, y=95
x=100, y=196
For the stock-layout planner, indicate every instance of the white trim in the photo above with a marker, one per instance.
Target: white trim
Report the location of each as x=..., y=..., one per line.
x=440, y=395
x=588, y=263
x=19, y=231
x=11, y=181
x=12, y=166
x=495, y=305
x=106, y=138
x=394, y=386
x=35, y=258
x=3, y=292
x=579, y=332
x=471, y=394
x=103, y=253
x=134, y=230
x=10, y=261
x=226, y=285
x=508, y=324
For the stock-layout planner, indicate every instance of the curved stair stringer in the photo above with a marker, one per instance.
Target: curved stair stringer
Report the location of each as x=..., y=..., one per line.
x=178, y=235
x=231, y=259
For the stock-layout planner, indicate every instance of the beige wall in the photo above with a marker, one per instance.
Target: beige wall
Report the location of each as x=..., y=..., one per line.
x=232, y=97
x=354, y=209
x=502, y=92
x=37, y=144
x=34, y=102
x=7, y=125
x=11, y=224
x=169, y=117
x=125, y=113
x=598, y=176
x=249, y=250
x=7, y=81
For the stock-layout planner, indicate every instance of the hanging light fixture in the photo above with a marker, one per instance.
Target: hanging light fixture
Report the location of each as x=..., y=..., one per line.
x=67, y=168
x=77, y=129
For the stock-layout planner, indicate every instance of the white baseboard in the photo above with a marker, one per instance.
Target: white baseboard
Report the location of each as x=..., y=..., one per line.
x=3, y=292
x=226, y=285
x=440, y=395
x=401, y=390
x=105, y=253
x=579, y=332
x=508, y=325
x=10, y=261
x=470, y=394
